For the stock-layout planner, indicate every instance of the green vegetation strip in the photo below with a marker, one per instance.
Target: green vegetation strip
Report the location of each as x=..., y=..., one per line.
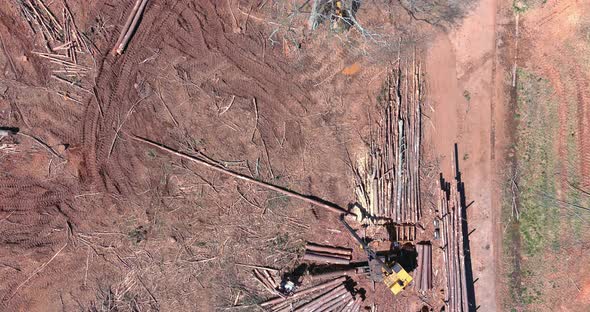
x=537, y=230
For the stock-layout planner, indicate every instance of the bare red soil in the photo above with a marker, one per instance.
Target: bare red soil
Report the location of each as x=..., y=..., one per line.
x=107, y=222
x=95, y=220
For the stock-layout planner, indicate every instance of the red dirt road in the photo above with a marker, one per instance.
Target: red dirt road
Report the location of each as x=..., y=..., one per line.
x=465, y=79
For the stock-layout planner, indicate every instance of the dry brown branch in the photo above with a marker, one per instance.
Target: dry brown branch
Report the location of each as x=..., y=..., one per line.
x=37, y=271
x=47, y=147
x=9, y=58
x=71, y=83
x=256, y=120
x=129, y=112
x=99, y=106
x=257, y=267
x=166, y=107
x=514, y=190
x=267, y=156
x=225, y=109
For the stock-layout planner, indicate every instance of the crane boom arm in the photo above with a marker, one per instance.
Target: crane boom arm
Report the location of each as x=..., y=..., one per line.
x=370, y=252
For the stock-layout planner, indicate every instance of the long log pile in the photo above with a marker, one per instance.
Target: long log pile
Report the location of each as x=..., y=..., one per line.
x=405, y=232
x=388, y=180
x=423, y=275
x=334, y=296
x=328, y=254
x=451, y=216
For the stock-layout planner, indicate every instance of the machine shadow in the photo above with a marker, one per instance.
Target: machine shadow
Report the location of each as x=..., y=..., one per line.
x=470, y=283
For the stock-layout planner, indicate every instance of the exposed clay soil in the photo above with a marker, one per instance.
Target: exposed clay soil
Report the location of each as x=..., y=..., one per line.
x=110, y=222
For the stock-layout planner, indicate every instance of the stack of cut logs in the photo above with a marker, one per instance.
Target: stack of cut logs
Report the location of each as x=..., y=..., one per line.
x=405, y=232
x=451, y=215
x=327, y=254
x=388, y=180
x=423, y=277
x=335, y=296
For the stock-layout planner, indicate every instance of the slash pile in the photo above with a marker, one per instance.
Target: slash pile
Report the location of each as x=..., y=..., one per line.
x=451, y=215
x=268, y=280
x=388, y=180
x=64, y=44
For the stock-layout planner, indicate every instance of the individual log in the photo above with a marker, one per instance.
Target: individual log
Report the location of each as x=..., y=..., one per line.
x=323, y=258
x=426, y=272
x=328, y=254
x=328, y=249
x=334, y=274
x=348, y=305
x=340, y=306
x=125, y=28
x=328, y=206
x=333, y=302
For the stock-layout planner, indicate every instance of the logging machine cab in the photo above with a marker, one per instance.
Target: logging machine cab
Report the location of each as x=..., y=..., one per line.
x=398, y=279
x=393, y=275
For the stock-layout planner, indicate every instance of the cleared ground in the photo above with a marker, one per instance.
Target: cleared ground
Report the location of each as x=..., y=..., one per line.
x=90, y=219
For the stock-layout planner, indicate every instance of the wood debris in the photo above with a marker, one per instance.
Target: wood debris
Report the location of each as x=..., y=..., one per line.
x=268, y=279
x=41, y=19
x=221, y=169
x=66, y=46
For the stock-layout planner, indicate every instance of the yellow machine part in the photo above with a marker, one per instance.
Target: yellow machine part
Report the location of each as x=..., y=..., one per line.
x=398, y=280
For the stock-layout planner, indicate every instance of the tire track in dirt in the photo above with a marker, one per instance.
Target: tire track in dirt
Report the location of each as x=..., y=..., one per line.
x=114, y=82
x=583, y=110
x=270, y=79
x=553, y=30
x=199, y=30
x=36, y=221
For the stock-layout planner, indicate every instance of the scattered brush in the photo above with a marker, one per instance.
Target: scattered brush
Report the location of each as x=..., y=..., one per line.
x=63, y=41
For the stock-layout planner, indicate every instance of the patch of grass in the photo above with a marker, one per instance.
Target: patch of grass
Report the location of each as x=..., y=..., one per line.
x=521, y=6
x=573, y=173
x=574, y=193
x=536, y=231
x=537, y=128
x=138, y=235
x=467, y=95
x=277, y=200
